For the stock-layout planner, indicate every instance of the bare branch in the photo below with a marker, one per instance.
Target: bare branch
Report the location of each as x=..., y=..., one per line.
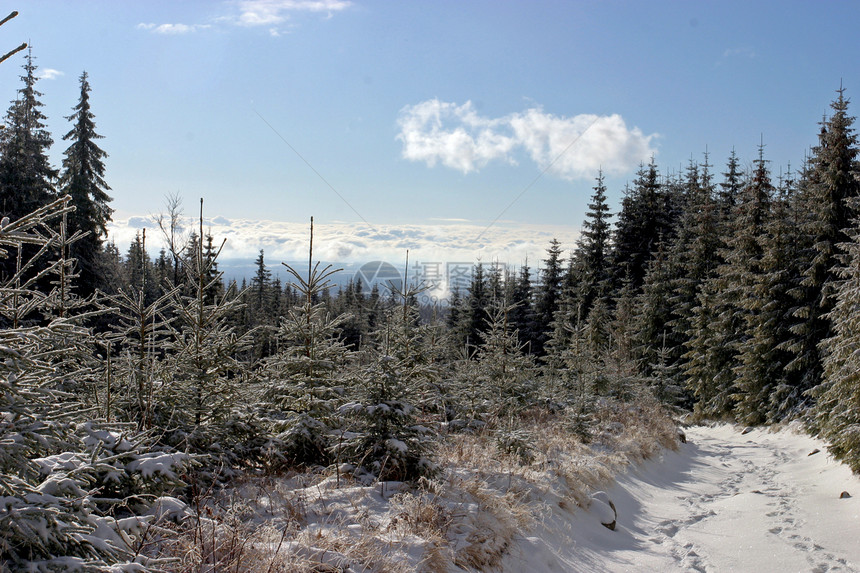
x=13, y=52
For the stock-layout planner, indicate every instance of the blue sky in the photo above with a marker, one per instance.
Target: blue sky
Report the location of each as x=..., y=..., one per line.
x=427, y=118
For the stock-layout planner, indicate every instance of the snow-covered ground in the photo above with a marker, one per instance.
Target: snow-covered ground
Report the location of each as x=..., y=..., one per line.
x=725, y=501
x=760, y=501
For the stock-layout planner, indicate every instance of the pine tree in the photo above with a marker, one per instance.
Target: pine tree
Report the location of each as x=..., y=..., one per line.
x=475, y=315
x=592, y=250
x=522, y=314
x=766, y=391
x=26, y=176
x=837, y=414
x=306, y=378
x=63, y=477
x=82, y=178
x=204, y=350
x=654, y=313
x=645, y=219
x=719, y=327
x=830, y=184
x=389, y=443
x=505, y=374
x=548, y=297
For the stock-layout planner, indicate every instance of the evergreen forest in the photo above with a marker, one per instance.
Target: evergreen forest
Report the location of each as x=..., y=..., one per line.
x=135, y=376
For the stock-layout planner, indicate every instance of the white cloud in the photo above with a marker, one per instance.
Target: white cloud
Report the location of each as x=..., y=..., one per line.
x=139, y=222
x=454, y=135
x=50, y=74
x=441, y=254
x=359, y=243
x=739, y=52
x=252, y=13
x=172, y=29
x=271, y=12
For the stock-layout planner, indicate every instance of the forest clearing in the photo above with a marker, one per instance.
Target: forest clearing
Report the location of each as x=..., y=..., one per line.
x=676, y=390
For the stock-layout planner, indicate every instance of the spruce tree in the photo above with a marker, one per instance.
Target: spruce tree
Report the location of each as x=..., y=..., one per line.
x=622, y=325
x=826, y=193
x=260, y=283
x=214, y=278
x=204, y=358
x=82, y=178
x=592, y=250
x=64, y=477
x=388, y=442
x=475, y=315
x=730, y=188
x=505, y=374
x=654, y=313
x=766, y=391
x=548, y=297
x=522, y=314
x=719, y=326
x=645, y=219
x=690, y=261
x=138, y=270
x=139, y=327
x=26, y=176
x=694, y=250
x=305, y=379
x=837, y=414
x=259, y=306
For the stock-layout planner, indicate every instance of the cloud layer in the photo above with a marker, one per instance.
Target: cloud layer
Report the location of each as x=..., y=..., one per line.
x=254, y=13
x=456, y=136
x=50, y=74
x=271, y=12
x=172, y=29
x=441, y=241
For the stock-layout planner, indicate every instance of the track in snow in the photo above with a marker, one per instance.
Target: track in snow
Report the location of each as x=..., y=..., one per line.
x=723, y=502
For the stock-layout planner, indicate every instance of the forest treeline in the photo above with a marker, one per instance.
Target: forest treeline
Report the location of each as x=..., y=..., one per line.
x=732, y=293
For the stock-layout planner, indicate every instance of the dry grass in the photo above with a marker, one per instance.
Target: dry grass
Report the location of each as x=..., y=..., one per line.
x=466, y=519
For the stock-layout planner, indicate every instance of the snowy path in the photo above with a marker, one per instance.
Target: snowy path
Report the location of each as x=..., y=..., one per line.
x=724, y=502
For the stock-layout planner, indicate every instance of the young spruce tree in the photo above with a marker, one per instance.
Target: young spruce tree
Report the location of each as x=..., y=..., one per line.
x=82, y=178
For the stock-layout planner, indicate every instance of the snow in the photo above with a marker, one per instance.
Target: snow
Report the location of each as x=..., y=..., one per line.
x=396, y=445
x=64, y=461
x=153, y=463
x=167, y=507
x=725, y=501
x=603, y=507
